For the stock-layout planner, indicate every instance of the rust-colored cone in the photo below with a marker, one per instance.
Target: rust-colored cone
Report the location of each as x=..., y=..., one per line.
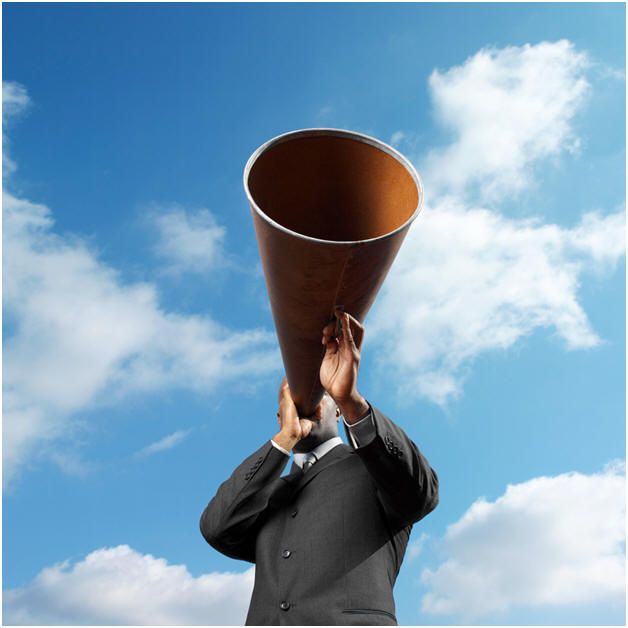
x=331, y=209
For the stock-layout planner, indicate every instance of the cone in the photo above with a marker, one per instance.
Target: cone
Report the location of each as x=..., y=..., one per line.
x=330, y=209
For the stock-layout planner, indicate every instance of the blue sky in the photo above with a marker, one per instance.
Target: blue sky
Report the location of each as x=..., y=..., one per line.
x=140, y=362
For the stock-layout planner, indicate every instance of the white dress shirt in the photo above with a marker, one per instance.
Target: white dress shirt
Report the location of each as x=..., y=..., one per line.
x=361, y=432
x=318, y=451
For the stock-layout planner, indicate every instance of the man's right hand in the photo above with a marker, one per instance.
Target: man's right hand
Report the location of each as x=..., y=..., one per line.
x=292, y=429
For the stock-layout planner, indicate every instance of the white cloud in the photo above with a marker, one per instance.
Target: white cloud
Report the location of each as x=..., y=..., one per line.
x=396, y=138
x=324, y=113
x=548, y=542
x=167, y=442
x=119, y=586
x=469, y=280
x=15, y=100
x=606, y=71
x=415, y=548
x=79, y=336
x=475, y=281
x=188, y=241
x=507, y=108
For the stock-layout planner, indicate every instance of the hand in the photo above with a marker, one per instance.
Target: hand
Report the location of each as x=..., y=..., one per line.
x=339, y=370
x=292, y=429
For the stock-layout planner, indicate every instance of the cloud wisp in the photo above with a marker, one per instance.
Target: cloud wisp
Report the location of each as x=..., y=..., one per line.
x=548, y=542
x=120, y=586
x=163, y=444
x=187, y=241
x=15, y=101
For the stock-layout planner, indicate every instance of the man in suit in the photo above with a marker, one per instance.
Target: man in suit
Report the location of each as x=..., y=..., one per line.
x=328, y=539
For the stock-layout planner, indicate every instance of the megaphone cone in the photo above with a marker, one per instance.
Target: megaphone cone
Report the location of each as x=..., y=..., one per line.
x=331, y=209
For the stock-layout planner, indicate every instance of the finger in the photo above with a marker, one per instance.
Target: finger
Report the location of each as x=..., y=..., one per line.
x=282, y=385
x=328, y=330
x=312, y=419
x=347, y=334
x=287, y=408
x=338, y=312
x=286, y=404
x=284, y=391
x=357, y=329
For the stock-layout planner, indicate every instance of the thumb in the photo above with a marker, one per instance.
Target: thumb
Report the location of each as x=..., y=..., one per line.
x=306, y=427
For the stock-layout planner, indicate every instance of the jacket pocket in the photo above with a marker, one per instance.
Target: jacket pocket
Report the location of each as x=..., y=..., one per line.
x=372, y=611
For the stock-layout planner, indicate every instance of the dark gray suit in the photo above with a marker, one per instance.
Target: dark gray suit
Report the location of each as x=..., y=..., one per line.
x=328, y=543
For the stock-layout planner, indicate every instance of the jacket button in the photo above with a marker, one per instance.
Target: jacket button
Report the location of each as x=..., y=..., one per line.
x=284, y=606
x=286, y=553
x=294, y=513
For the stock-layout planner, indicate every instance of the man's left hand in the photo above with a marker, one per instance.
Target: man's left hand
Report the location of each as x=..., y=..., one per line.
x=339, y=370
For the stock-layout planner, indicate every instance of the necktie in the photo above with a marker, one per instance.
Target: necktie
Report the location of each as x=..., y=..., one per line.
x=308, y=461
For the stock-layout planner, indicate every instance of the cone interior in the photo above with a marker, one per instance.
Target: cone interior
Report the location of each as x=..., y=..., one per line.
x=333, y=188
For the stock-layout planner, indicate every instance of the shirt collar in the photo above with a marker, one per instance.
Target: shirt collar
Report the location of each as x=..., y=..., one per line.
x=319, y=450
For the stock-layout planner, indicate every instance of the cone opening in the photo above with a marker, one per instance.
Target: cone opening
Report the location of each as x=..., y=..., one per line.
x=333, y=185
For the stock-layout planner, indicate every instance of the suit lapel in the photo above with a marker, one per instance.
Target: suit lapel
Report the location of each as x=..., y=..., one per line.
x=297, y=479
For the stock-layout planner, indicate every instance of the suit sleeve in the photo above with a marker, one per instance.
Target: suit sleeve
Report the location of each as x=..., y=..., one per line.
x=228, y=522
x=407, y=486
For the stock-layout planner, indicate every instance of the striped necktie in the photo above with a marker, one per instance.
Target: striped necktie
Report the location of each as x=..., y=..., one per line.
x=308, y=461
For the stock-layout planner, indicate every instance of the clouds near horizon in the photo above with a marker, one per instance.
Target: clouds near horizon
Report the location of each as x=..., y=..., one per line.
x=549, y=542
x=120, y=586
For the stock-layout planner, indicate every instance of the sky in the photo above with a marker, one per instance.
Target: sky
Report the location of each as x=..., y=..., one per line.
x=140, y=359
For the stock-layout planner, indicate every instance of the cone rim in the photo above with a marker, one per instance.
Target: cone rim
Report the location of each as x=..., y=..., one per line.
x=347, y=134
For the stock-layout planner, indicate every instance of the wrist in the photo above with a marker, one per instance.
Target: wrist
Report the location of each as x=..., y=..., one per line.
x=354, y=408
x=285, y=441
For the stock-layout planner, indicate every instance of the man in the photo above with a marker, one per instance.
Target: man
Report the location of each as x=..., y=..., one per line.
x=327, y=539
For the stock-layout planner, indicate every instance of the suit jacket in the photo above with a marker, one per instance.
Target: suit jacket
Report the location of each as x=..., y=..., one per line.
x=327, y=544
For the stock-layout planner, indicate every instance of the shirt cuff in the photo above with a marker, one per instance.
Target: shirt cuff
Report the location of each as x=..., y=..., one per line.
x=363, y=431
x=279, y=447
